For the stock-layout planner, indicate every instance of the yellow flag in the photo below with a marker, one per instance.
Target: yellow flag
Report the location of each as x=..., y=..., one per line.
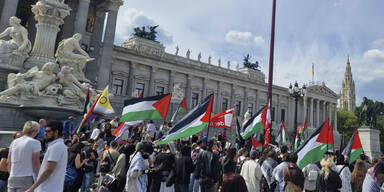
x=103, y=106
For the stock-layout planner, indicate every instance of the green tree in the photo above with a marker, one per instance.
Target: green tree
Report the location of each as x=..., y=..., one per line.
x=347, y=122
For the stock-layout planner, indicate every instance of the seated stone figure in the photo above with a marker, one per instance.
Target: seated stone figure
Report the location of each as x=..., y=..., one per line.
x=19, y=87
x=65, y=56
x=72, y=90
x=15, y=50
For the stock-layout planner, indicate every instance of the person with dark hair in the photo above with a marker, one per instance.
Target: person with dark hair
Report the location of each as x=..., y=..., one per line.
x=121, y=167
x=4, y=173
x=52, y=173
x=108, y=132
x=137, y=180
x=89, y=168
x=74, y=159
x=229, y=162
x=278, y=172
x=342, y=169
x=162, y=168
x=358, y=175
x=267, y=182
x=68, y=127
x=183, y=169
x=374, y=178
x=234, y=182
x=293, y=176
x=251, y=172
x=207, y=168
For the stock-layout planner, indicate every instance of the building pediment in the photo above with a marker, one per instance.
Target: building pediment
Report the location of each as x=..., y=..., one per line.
x=321, y=90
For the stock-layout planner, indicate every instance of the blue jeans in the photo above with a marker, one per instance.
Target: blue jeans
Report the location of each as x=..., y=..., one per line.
x=3, y=185
x=193, y=184
x=87, y=181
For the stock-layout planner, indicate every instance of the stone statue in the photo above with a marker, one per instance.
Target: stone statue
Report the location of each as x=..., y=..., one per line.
x=188, y=54
x=248, y=64
x=209, y=59
x=17, y=48
x=151, y=35
x=228, y=64
x=18, y=86
x=65, y=56
x=247, y=116
x=72, y=90
x=369, y=112
x=178, y=92
x=199, y=57
x=219, y=62
x=177, y=50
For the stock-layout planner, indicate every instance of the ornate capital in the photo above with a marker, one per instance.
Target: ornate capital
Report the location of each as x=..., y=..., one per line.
x=114, y=5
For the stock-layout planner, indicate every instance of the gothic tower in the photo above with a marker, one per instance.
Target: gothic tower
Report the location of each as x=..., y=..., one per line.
x=347, y=93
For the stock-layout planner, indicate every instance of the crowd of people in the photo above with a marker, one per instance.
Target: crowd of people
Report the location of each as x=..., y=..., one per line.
x=55, y=157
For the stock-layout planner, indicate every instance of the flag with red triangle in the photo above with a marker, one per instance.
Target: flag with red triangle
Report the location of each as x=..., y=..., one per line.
x=266, y=122
x=148, y=108
x=193, y=122
x=313, y=149
x=256, y=144
x=182, y=109
x=354, y=148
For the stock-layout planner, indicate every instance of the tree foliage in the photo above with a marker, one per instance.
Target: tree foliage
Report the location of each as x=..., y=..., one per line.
x=347, y=122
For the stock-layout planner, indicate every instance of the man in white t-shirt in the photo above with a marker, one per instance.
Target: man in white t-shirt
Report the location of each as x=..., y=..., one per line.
x=52, y=173
x=24, y=158
x=96, y=132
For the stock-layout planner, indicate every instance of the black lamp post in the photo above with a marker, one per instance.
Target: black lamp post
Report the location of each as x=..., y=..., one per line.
x=297, y=92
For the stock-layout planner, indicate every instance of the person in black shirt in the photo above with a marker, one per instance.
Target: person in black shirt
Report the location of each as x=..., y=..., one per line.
x=183, y=169
x=3, y=169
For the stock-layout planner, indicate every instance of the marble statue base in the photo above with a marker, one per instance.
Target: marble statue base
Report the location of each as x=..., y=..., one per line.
x=370, y=140
x=13, y=117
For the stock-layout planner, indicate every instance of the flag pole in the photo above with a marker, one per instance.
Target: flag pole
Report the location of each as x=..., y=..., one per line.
x=271, y=54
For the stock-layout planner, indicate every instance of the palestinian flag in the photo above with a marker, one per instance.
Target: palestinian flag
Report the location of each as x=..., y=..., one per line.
x=266, y=121
x=297, y=140
x=253, y=125
x=182, y=109
x=193, y=122
x=313, y=149
x=284, y=134
x=256, y=144
x=354, y=148
x=148, y=108
x=302, y=131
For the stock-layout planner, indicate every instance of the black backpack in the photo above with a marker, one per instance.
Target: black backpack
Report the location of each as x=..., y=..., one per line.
x=107, y=164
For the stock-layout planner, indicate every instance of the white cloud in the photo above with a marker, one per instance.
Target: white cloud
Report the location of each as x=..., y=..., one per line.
x=238, y=37
x=374, y=55
x=131, y=18
x=259, y=41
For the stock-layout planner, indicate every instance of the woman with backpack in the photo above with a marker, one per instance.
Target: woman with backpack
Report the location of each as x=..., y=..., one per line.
x=328, y=180
x=342, y=169
x=74, y=173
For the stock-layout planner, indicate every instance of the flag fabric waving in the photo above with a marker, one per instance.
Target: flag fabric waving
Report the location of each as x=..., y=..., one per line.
x=257, y=144
x=86, y=103
x=222, y=119
x=354, y=148
x=148, y=108
x=103, y=106
x=303, y=130
x=182, y=109
x=284, y=134
x=253, y=125
x=313, y=149
x=266, y=121
x=193, y=122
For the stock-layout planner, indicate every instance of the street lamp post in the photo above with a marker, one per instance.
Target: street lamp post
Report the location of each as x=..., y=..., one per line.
x=297, y=92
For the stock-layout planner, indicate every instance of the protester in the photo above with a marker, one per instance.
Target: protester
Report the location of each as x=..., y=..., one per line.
x=267, y=182
x=328, y=179
x=68, y=127
x=52, y=173
x=24, y=159
x=278, y=172
x=120, y=169
x=74, y=160
x=96, y=132
x=358, y=175
x=89, y=156
x=234, y=182
x=311, y=172
x=4, y=174
x=151, y=131
x=194, y=183
x=251, y=172
x=136, y=175
x=183, y=169
x=344, y=173
x=207, y=168
x=163, y=165
x=41, y=135
x=293, y=176
x=229, y=162
x=374, y=178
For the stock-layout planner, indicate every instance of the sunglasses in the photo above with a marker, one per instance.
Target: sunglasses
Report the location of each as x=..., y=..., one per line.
x=48, y=131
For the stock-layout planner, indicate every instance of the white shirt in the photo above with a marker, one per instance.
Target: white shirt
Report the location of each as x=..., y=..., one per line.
x=21, y=150
x=57, y=152
x=95, y=133
x=251, y=173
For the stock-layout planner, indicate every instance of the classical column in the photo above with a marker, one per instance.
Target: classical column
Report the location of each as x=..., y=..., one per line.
x=188, y=93
x=92, y=67
x=305, y=109
x=317, y=113
x=218, y=99
x=204, y=87
x=81, y=16
x=109, y=37
x=311, y=112
x=233, y=92
x=171, y=80
x=131, y=80
x=257, y=100
x=49, y=17
x=335, y=116
x=245, y=100
x=277, y=110
x=324, y=111
x=329, y=111
x=9, y=10
x=151, y=85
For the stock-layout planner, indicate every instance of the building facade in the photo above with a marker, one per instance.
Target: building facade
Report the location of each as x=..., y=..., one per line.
x=347, y=94
x=142, y=66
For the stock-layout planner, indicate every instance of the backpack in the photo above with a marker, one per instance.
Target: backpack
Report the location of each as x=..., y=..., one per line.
x=70, y=173
x=107, y=164
x=312, y=175
x=239, y=165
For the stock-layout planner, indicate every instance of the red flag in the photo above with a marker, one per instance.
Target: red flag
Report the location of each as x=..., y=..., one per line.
x=141, y=94
x=222, y=119
x=266, y=121
x=255, y=143
x=117, y=131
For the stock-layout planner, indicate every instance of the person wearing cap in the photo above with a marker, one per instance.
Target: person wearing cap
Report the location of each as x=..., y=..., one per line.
x=207, y=168
x=137, y=180
x=251, y=172
x=68, y=126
